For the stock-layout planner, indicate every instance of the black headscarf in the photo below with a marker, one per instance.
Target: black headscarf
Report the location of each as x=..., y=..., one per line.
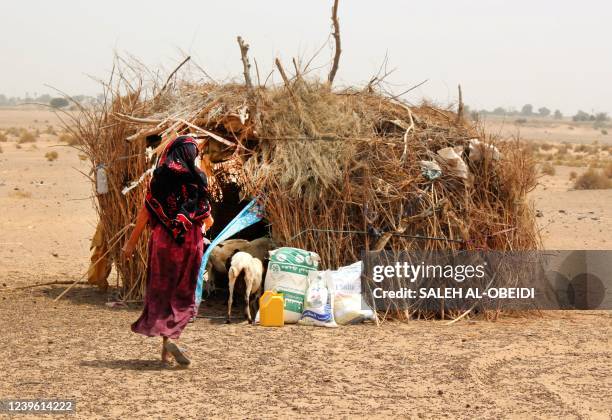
x=178, y=193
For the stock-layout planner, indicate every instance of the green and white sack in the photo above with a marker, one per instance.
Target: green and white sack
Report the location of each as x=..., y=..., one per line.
x=288, y=274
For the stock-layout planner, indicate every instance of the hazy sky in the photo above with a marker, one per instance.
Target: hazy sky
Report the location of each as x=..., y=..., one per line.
x=504, y=53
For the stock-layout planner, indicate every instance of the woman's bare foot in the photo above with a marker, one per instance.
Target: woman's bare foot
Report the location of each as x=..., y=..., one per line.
x=165, y=355
x=178, y=354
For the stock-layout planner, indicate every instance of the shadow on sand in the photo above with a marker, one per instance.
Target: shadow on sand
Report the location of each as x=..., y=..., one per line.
x=127, y=364
x=85, y=295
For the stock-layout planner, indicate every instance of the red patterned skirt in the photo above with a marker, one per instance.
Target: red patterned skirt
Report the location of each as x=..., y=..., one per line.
x=172, y=274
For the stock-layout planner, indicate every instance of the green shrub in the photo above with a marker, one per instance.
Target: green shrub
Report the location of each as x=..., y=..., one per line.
x=59, y=102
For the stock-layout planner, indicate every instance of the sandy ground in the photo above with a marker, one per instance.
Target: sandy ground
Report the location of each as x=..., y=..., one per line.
x=573, y=219
x=547, y=130
x=558, y=365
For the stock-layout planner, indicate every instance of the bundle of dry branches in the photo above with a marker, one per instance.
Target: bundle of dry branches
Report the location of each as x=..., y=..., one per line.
x=339, y=172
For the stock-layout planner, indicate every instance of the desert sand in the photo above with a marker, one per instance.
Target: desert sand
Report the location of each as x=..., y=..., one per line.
x=546, y=129
x=558, y=364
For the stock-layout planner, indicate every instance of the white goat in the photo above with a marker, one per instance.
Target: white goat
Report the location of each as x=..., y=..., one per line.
x=251, y=269
x=221, y=257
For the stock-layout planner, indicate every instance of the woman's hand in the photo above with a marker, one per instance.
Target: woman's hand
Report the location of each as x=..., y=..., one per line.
x=141, y=222
x=208, y=222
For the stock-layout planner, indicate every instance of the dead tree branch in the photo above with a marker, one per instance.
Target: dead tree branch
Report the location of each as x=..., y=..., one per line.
x=174, y=72
x=460, y=107
x=244, y=49
x=286, y=81
x=251, y=95
x=410, y=128
x=336, y=34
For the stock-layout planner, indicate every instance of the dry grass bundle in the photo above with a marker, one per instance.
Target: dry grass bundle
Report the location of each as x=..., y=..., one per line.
x=51, y=156
x=608, y=170
x=27, y=137
x=97, y=134
x=13, y=131
x=69, y=139
x=592, y=179
x=363, y=180
x=548, y=169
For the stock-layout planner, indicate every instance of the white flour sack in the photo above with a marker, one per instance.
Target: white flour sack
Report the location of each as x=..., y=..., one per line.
x=349, y=305
x=288, y=274
x=319, y=301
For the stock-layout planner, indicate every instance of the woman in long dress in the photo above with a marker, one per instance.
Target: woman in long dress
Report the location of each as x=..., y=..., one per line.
x=176, y=207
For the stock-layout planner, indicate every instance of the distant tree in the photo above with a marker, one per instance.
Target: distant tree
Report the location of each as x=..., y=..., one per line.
x=558, y=115
x=3, y=100
x=602, y=117
x=45, y=99
x=544, y=112
x=59, y=102
x=581, y=116
x=527, y=110
x=499, y=111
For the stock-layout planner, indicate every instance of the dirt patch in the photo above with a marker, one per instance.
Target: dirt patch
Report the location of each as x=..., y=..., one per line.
x=555, y=366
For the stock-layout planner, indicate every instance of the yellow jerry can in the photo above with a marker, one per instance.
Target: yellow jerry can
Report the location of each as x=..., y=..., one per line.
x=271, y=309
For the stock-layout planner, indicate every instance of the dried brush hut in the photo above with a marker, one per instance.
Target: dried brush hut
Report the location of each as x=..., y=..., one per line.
x=339, y=171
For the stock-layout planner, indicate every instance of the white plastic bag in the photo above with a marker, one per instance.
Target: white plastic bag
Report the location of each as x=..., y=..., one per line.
x=479, y=150
x=452, y=157
x=319, y=301
x=349, y=305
